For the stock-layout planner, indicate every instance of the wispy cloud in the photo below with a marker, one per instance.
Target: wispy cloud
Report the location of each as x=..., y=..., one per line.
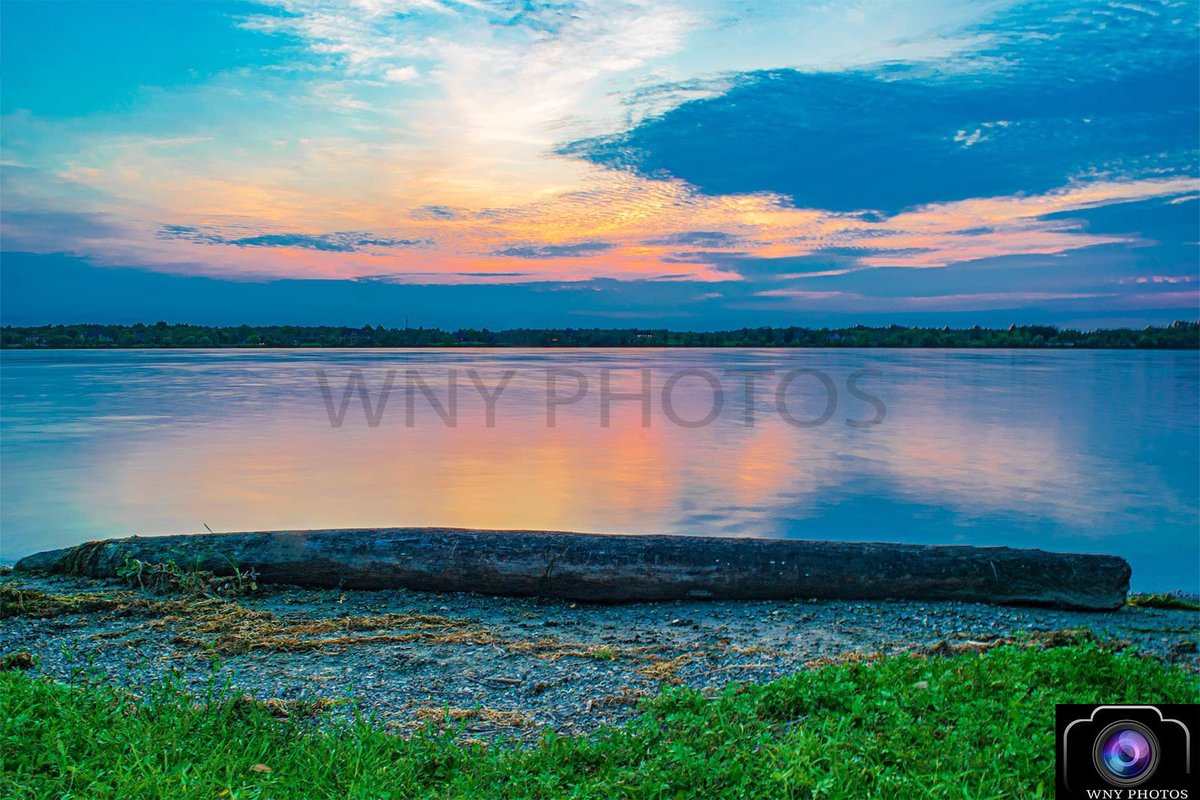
x=339, y=242
x=555, y=250
x=430, y=141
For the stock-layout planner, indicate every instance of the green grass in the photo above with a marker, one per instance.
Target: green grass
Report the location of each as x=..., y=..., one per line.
x=606, y=653
x=1163, y=601
x=968, y=726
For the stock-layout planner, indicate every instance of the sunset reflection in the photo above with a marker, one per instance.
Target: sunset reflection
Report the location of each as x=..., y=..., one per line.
x=963, y=451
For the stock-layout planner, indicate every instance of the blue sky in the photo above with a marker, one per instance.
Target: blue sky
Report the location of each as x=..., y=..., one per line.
x=700, y=165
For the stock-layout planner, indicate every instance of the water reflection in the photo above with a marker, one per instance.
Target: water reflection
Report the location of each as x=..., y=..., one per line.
x=1091, y=451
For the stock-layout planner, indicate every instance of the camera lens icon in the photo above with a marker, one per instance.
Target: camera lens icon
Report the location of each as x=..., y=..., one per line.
x=1126, y=753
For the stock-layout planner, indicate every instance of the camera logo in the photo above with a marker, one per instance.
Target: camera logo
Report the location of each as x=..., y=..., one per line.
x=1127, y=752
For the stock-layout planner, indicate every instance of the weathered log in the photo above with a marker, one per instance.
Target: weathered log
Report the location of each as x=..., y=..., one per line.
x=621, y=568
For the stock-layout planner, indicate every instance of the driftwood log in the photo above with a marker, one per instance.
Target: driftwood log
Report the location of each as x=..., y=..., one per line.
x=620, y=568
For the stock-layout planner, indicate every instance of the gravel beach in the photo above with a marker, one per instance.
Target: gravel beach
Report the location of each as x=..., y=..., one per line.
x=500, y=667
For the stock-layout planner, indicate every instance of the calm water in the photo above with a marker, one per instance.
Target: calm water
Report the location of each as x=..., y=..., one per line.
x=1081, y=451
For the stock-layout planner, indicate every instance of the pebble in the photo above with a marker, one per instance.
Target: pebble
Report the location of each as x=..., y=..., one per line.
x=708, y=643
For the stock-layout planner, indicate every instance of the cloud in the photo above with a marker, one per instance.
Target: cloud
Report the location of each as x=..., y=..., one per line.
x=848, y=142
x=24, y=228
x=427, y=278
x=434, y=212
x=710, y=239
x=36, y=289
x=1052, y=107
x=401, y=74
x=555, y=250
x=759, y=145
x=340, y=242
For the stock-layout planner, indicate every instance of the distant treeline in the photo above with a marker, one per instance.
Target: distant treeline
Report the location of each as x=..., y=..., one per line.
x=1178, y=335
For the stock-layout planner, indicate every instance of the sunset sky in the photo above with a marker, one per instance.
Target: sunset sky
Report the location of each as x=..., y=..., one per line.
x=608, y=163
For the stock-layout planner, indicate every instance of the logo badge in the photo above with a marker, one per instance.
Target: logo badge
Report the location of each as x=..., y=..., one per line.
x=1127, y=752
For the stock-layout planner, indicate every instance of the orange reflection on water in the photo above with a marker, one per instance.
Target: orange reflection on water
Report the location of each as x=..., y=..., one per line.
x=1058, y=450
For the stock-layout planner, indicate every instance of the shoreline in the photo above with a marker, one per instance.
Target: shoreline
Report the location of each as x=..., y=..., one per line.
x=508, y=667
x=1180, y=334
x=1191, y=595
x=841, y=729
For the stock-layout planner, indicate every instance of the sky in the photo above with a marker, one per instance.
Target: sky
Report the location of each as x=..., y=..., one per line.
x=600, y=163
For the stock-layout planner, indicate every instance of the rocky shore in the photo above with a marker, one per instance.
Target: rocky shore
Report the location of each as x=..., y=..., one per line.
x=492, y=667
